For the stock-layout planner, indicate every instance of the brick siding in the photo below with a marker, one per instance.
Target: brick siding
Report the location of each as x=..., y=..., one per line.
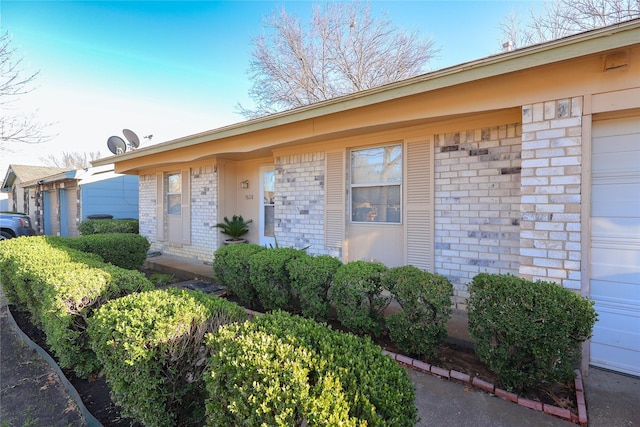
x=551, y=192
x=299, y=204
x=204, y=199
x=147, y=200
x=477, y=204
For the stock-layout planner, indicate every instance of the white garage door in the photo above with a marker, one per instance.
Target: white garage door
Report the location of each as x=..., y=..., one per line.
x=615, y=244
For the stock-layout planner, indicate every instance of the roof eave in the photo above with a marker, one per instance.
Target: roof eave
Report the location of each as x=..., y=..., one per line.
x=599, y=40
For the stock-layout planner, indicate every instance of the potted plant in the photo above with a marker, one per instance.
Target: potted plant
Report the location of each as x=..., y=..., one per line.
x=235, y=228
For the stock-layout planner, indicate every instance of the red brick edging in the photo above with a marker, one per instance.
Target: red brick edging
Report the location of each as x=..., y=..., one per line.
x=579, y=418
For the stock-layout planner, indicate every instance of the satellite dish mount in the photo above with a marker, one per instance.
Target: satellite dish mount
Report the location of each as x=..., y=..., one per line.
x=134, y=141
x=116, y=145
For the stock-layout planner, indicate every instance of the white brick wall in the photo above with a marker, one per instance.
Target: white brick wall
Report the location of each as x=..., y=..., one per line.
x=147, y=208
x=299, y=204
x=204, y=193
x=551, y=191
x=477, y=204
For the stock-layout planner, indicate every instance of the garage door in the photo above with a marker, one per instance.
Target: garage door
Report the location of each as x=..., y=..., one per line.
x=615, y=244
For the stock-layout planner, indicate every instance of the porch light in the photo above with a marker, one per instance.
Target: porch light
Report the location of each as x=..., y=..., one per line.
x=244, y=184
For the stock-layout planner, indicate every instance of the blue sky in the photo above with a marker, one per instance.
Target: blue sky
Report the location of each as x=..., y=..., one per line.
x=171, y=69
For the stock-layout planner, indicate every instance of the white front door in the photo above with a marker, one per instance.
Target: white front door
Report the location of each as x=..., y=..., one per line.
x=615, y=244
x=267, y=206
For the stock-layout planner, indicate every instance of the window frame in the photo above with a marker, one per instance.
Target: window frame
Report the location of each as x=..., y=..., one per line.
x=372, y=184
x=169, y=193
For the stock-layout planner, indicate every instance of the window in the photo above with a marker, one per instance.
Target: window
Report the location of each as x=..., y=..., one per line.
x=376, y=179
x=268, y=194
x=174, y=193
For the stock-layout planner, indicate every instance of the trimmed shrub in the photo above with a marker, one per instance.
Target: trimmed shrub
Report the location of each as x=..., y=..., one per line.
x=120, y=249
x=357, y=294
x=311, y=278
x=528, y=332
x=270, y=278
x=425, y=299
x=61, y=287
x=283, y=370
x=151, y=347
x=104, y=226
x=231, y=270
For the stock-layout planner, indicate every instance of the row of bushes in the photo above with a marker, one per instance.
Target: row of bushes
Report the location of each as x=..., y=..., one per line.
x=61, y=287
x=170, y=360
x=104, y=226
x=169, y=354
x=526, y=332
x=290, y=279
x=124, y=250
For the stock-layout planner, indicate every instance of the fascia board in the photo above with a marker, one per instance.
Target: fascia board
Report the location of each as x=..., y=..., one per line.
x=588, y=43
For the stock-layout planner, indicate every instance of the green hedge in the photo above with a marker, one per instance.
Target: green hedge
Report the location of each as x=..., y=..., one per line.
x=311, y=277
x=120, y=249
x=269, y=276
x=61, y=287
x=421, y=326
x=151, y=348
x=104, y=226
x=358, y=296
x=528, y=332
x=283, y=370
x=231, y=270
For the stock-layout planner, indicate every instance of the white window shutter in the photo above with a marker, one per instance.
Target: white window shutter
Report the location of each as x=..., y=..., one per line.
x=160, y=207
x=334, y=196
x=186, y=207
x=419, y=227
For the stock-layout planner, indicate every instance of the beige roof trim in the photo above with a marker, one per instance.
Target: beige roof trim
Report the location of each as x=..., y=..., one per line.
x=599, y=40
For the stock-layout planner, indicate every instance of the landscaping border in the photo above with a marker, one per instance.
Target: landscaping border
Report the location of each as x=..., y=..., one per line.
x=580, y=418
x=88, y=417
x=450, y=374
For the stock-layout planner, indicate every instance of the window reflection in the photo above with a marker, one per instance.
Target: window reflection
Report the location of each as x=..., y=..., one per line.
x=376, y=178
x=174, y=193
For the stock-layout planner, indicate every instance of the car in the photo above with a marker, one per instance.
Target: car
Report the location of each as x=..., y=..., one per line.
x=14, y=224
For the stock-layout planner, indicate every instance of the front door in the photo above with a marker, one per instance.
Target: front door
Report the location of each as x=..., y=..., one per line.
x=267, y=206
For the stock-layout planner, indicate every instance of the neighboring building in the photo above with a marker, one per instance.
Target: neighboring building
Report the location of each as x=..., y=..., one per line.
x=21, y=199
x=526, y=162
x=65, y=199
x=4, y=201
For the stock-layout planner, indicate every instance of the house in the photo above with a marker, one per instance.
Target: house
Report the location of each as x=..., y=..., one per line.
x=20, y=199
x=4, y=200
x=526, y=162
x=66, y=198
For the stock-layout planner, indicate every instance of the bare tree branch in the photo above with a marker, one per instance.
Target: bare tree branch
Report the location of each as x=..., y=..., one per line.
x=75, y=160
x=343, y=49
x=14, y=83
x=561, y=18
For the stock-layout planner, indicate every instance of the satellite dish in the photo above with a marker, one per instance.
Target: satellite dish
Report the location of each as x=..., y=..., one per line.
x=131, y=136
x=116, y=145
